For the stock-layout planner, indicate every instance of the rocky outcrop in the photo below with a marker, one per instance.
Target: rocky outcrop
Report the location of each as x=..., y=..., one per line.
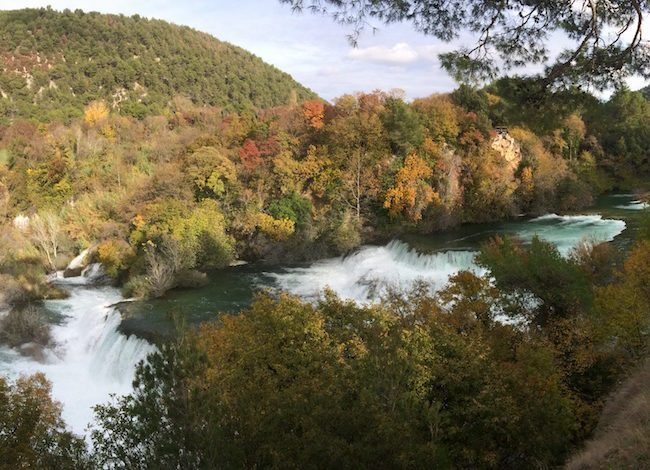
x=78, y=264
x=508, y=148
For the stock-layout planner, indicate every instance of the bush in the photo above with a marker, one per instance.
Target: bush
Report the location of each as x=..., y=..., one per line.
x=32, y=433
x=11, y=292
x=21, y=326
x=116, y=256
x=293, y=207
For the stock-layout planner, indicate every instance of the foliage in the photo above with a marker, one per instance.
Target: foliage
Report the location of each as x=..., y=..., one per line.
x=409, y=388
x=116, y=256
x=557, y=283
x=32, y=433
x=292, y=207
x=294, y=182
x=514, y=34
x=59, y=62
x=277, y=229
x=412, y=193
x=314, y=113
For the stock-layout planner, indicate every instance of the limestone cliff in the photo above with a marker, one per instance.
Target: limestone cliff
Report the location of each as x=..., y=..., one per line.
x=508, y=148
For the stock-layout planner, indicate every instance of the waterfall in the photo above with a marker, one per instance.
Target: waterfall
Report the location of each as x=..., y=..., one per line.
x=364, y=275
x=567, y=231
x=634, y=206
x=89, y=359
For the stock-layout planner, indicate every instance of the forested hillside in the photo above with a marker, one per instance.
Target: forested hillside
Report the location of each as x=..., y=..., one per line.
x=162, y=199
x=53, y=64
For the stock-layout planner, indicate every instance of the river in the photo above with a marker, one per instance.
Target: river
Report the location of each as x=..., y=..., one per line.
x=93, y=357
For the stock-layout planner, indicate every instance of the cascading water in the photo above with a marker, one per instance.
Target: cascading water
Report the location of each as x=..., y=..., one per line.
x=89, y=359
x=567, y=231
x=366, y=274
x=634, y=206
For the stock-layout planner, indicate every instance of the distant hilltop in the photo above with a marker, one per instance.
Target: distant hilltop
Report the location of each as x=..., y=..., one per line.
x=54, y=63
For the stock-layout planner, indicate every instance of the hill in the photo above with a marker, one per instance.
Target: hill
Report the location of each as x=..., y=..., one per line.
x=54, y=63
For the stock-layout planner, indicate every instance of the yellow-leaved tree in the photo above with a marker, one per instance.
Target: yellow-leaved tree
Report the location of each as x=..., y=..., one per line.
x=411, y=193
x=95, y=113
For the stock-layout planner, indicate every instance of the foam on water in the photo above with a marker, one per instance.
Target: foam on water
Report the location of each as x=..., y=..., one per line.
x=567, y=231
x=90, y=359
x=634, y=206
x=366, y=274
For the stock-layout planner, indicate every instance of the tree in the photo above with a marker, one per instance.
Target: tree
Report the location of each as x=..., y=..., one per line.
x=415, y=383
x=250, y=155
x=314, y=113
x=45, y=232
x=558, y=286
x=96, y=113
x=574, y=131
x=402, y=125
x=515, y=33
x=32, y=433
x=412, y=192
x=440, y=117
x=361, y=147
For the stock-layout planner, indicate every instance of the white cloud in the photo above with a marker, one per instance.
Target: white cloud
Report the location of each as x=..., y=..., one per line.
x=400, y=54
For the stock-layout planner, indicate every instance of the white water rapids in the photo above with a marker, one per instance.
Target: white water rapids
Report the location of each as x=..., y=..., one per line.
x=366, y=274
x=91, y=360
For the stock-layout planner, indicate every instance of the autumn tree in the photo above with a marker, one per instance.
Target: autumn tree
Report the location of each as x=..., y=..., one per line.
x=314, y=113
x=412, y=192
x=256, y=389
x=361, y=148
x=250, y=155
x=32, y=433
x=574, y=131
x=212, y=172
x=440, y=117
x=95, y=113
x=45, y=232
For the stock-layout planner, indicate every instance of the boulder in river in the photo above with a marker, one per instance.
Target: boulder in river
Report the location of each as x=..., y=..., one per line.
x=78, y=264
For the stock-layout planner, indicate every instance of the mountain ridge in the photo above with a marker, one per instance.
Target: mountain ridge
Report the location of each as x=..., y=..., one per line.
x=54, y=63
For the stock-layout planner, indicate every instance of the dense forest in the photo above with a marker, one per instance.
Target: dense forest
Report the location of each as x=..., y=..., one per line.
x=163, y=198
x=183, y=177
x=54, y=63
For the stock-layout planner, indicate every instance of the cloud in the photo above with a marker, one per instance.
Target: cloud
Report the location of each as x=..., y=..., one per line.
x=400, y=54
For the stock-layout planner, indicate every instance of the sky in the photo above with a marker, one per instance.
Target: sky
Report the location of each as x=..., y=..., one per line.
x=312, y=48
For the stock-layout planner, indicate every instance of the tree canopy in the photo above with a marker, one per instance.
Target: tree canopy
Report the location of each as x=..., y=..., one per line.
x=605, y=38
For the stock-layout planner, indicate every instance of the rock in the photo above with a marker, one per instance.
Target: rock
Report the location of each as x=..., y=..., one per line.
x=77, y=265
x=21, y=222
x=508, y=148
x=33, y=350
x=72, y=272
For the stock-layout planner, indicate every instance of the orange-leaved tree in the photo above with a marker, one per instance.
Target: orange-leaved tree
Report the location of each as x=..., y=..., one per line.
x=411, y=193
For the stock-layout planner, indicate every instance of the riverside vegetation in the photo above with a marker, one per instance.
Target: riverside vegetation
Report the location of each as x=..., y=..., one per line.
x=166, y=186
